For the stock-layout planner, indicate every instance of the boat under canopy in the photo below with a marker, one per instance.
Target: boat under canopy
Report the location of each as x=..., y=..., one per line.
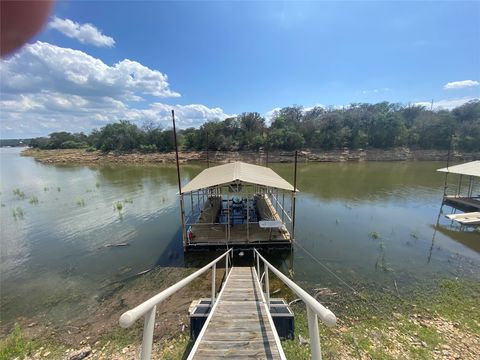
x=238, y=205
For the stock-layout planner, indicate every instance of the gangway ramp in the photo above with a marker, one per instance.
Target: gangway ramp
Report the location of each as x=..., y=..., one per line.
x=239, y=325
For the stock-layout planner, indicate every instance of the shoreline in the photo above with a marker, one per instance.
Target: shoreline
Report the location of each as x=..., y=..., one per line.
x=407, y=322
x=81, y=156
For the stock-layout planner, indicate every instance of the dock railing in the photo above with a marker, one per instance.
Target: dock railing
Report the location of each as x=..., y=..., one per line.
x=315, y=310
x=148, y=308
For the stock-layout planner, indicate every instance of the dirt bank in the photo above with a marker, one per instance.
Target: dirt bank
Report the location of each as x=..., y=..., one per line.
x=406, y=323
x=80, y=156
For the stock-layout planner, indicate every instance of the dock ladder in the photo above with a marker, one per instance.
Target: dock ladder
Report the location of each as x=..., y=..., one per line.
x=239, y=323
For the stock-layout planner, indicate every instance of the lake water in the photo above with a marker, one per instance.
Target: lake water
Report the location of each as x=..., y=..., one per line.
x=367, y=222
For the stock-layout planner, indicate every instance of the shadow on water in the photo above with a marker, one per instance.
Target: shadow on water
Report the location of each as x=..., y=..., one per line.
x=281, y=259
x=470, y=239
x=173, y=255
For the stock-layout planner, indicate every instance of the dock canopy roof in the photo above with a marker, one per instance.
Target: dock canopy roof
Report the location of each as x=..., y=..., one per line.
x=469, y=169
x=237, y=171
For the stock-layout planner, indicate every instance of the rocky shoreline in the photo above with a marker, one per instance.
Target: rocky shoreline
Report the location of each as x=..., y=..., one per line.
x=81, y=156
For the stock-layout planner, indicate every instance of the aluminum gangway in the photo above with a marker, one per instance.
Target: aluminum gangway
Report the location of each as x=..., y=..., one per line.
x=239, y=324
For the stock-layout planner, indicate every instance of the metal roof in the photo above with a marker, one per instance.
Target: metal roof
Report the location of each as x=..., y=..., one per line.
x=237, y=171
x=469, y=169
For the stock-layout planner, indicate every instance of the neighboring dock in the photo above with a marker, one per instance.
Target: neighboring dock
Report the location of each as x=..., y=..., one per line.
x=467, y=201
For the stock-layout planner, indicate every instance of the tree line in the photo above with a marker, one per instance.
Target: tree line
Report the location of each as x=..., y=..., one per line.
x=383, y=125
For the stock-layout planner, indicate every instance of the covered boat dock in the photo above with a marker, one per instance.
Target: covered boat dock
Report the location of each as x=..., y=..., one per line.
x=466, y=196
x=239, y=205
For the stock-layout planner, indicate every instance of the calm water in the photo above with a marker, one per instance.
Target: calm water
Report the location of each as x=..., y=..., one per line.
x=54, y=259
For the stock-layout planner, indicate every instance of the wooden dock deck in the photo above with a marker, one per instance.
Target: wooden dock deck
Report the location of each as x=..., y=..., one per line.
x=463, y=202
x=239, y=325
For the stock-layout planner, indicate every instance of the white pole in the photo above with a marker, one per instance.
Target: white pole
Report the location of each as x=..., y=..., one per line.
x=314, y=334
x=148, y=334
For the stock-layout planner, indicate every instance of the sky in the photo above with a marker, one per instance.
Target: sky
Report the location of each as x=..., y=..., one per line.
x=100, y=62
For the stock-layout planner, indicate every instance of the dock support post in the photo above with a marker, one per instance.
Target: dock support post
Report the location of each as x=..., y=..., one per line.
x=314, y=334
x=148, y=334
x=214, y=270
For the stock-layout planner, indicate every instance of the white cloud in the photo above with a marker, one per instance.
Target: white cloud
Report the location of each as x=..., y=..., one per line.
x=461, y=84
x=85, y=33
x=46, y=88
x=42, y=66
x=445, y=104
x=270, y=114
x=375, y=91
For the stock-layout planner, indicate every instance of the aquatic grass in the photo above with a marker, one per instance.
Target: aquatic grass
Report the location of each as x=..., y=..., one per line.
x=33, y=200
x=375, y=235
x=118, y=206
x=46, y=188
x=414, y=235
x=97, y=184
x=59, y=189
x=2, y=205
x=81, y=202
x=17, y=213
x=20, y=194
x=128, y=200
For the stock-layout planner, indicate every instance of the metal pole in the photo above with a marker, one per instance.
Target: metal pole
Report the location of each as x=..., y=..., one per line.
x=248, y=218
x=267, y=285
x=148, y=327
x=182, y=219
x=228, y=220
x=176, y=153
x=182, y=212
x=314, y=334
x=208, y=160
x=214, y=268
x=459, y=185
x=294, y=197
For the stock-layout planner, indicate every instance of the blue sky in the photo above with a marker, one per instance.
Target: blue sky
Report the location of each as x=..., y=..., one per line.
x=215, y=59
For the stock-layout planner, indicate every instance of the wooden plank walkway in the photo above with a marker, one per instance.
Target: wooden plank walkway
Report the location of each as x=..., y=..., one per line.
x=239, y=326
x=473, y=202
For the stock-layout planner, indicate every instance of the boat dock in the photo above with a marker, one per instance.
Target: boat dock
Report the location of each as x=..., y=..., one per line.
x=237, y=205
x=462, y=202
x=466, y=196
x=239, y=323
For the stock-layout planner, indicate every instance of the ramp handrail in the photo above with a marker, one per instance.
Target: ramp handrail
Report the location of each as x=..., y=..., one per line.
x=314, y=308
x=148, y=307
